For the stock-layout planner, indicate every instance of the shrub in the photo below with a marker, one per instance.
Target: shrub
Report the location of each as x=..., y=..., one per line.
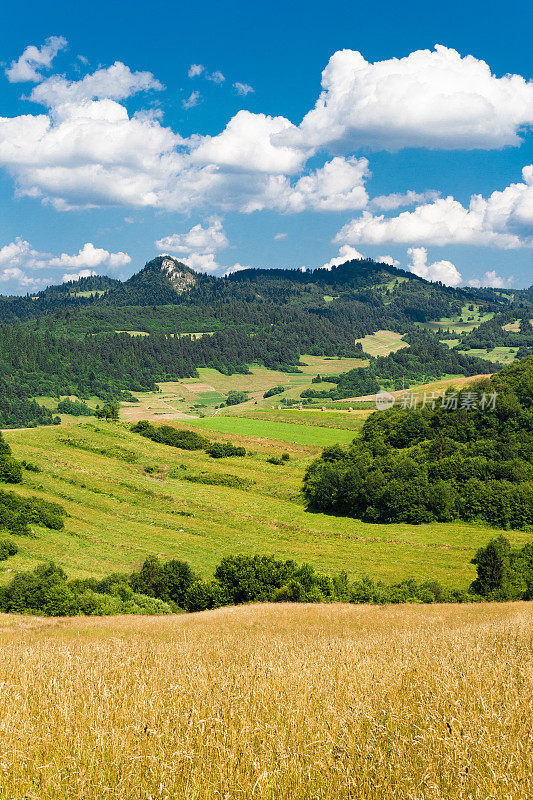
x=166, y=434
x=168, y=581
x=275, y=390
x=75, y=408
x=7, y=549
x=204, y=595
x=10, y=470
x=225, y=450
x=234, y=398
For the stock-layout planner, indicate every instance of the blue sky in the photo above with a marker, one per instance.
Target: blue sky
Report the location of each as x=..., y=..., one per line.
x=112, y=149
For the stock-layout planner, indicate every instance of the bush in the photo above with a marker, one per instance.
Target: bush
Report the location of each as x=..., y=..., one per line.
x=275, y=390
x=204, y=595
x=234, y=398
x=282, y=459
x=168, y=581
x=7, y=549
x=10, y=470
x=225, y=450
x=166, y=434
x=75, y=408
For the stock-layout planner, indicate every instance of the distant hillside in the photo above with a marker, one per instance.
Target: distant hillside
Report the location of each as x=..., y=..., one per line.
x=67, y=339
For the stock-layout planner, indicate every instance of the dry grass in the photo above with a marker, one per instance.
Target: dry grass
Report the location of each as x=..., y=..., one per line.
x=277, y=702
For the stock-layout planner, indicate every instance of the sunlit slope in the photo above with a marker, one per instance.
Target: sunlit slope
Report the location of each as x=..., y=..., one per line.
x=119, y=512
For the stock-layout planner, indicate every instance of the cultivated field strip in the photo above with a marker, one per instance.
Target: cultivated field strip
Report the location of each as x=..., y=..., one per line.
x=271, y=702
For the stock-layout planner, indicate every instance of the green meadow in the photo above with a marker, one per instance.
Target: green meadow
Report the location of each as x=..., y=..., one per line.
x=127, y=497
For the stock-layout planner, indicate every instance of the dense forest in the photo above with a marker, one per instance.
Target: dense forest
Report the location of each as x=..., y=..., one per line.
x=467, y=456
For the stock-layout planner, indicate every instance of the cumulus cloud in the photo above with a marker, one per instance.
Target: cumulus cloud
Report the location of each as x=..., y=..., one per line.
x=243, y=88
x=280, y=236
x=21, y=280
x=216, y=77
x=194, y=99
x=202, y=239
x=337, y=186
x=88, y=151
x=492, y=280
x=246, y=144
x=431, y=98
x=91, y=256
x=75, y=276
x=198, y=246
x=19, y=263
x=20, y=253
x=346, y=253
x=195, y=70
x=393, y=262
x=388, y=202
x=443, y=271
x=502, y=220
x=29, y=66
x=117, y=82
x=89, y=154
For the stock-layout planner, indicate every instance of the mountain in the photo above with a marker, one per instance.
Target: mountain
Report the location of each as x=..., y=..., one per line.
x=72, y=339
x=158, y=283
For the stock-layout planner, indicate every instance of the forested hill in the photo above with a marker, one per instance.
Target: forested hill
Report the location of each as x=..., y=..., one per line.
x=167, y=281
x=71, y=340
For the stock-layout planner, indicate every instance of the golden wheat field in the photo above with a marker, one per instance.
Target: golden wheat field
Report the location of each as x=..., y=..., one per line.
x=283, y=702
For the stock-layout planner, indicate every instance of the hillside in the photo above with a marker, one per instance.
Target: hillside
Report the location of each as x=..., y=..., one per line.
x=127, y=497
x=467, y=456
x=99, y=338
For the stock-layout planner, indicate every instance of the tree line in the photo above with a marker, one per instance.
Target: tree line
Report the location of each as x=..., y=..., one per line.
x=448, y=460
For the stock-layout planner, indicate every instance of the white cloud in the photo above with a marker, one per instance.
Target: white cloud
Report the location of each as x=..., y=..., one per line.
x=443, y=271
x=21, y=279
x=243, y=88
x=75, y=276
x=430, y=98
x=216, y=77
x=280, y=236
x=91, y=256
x=115, y=83
x=198, y=239
x=89, y=154
x=20, y=253
x=393, y=262
x=19, y=261
x=198, y=247
x=337, y=186
x=237, y=268
x=388, y=202
x=492, y=280
x=195, y=70
x=503, y=220
x=33, y=59
x=88, y=151
x=194, y=99
x=346, y=253
x=246, y=145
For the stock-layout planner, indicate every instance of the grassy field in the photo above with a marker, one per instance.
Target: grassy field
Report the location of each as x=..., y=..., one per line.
x=382, y=343
x=280, y=431
x=504, y=355
x=191, y=395
x=270, y=702
x=464, y=323
x=119, y=513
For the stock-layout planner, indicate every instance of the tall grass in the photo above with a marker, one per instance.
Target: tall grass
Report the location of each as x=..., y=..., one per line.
x=277, y=702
